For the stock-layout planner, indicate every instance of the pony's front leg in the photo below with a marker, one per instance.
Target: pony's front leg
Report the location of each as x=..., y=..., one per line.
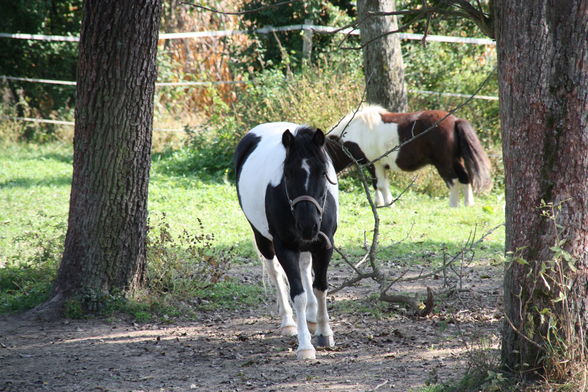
x=311, y=303
x=289, y=259
x=276, y=273
x=383, y=195
x=324, y=333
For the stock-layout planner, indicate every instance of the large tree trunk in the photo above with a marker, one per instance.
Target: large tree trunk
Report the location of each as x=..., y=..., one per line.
x=105, y=242
x=382, y=57
x=543, y=76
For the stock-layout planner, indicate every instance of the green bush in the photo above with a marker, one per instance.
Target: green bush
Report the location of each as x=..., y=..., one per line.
x=40, y=59
x=316, y=95
x=27, y=275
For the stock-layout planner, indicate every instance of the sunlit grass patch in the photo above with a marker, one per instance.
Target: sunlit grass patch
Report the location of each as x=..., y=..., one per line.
x=34, y=197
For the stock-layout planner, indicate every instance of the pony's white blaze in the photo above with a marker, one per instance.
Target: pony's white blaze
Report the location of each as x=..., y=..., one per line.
x=375, y=137
x=265, y=166
x=306, y=168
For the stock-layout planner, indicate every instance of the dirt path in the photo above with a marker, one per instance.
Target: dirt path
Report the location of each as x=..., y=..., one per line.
x=241, y=351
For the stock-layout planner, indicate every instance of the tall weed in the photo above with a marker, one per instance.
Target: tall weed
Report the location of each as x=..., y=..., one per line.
x=180, y=266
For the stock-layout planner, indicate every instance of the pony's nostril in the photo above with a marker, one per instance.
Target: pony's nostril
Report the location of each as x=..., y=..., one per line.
x=308, y=231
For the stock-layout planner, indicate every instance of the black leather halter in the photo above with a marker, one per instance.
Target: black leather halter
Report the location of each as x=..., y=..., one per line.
x=319, y=207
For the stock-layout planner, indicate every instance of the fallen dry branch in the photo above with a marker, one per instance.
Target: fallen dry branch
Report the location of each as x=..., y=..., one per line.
x=420, y=309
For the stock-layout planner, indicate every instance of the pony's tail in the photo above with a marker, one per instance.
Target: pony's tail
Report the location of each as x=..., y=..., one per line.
x=476, y=161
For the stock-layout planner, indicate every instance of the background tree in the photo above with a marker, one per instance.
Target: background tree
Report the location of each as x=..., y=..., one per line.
x=382, y=57
x=543, y=83
x=543, y=80
x=105, y=243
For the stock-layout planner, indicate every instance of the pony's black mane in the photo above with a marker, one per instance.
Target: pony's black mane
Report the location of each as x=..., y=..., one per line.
x=305, y=147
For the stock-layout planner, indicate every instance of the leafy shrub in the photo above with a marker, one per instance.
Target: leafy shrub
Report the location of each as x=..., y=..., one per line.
x=316, y=95
x=40, y=59
x=180, y=266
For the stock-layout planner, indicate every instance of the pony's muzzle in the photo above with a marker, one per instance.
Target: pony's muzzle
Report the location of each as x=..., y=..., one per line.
x=307, y=214
x=308, y=230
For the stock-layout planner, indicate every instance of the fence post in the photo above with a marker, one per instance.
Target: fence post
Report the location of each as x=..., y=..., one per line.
x=307, y=34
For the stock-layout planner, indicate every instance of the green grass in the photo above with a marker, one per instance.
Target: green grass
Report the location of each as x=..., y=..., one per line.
x=34, y=197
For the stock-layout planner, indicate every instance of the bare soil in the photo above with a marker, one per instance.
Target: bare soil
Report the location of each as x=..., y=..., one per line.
x=242, y=351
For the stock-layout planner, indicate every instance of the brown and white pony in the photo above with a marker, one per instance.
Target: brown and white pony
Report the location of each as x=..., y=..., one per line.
x=409, y=141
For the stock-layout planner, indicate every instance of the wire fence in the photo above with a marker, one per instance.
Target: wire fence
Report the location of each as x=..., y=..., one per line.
x=265, y=30
x=226, y=33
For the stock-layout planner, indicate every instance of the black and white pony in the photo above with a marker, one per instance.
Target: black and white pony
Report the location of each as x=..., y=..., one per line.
x=449, y=143
x=287, y=189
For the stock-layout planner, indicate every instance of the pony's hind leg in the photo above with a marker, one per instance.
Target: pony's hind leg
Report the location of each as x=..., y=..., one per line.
x=468, y=195
x=383, y=195
x=454, y=189
x=311, y=302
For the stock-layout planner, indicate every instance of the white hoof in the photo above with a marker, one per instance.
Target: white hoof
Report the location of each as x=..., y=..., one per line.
x=288, y=330
x=309, y=353
x=311, y=326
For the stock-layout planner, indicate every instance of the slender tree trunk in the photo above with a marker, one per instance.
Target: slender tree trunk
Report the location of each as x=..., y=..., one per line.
x=543, y=79
x=382, y=57
x=105, y=242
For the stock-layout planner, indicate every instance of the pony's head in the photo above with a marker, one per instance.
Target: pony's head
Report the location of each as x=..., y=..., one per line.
x=305, y=179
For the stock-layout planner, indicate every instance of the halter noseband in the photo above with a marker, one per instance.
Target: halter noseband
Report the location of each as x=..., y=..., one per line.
x=307, y=198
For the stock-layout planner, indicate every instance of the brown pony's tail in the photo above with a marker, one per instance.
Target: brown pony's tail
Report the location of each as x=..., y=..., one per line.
x=476, y=161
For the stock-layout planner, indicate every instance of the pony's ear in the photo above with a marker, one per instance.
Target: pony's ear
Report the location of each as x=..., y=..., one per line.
x=287, y=138
x=319, y=138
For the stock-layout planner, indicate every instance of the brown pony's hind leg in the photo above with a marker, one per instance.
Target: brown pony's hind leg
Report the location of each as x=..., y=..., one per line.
x=468, y=195
x=383, y=195
x=463, y=184
x=454, y=194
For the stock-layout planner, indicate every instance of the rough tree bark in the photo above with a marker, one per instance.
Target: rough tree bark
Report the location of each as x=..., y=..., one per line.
x=105, y=242
x=382, y=57
x=543, y=80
